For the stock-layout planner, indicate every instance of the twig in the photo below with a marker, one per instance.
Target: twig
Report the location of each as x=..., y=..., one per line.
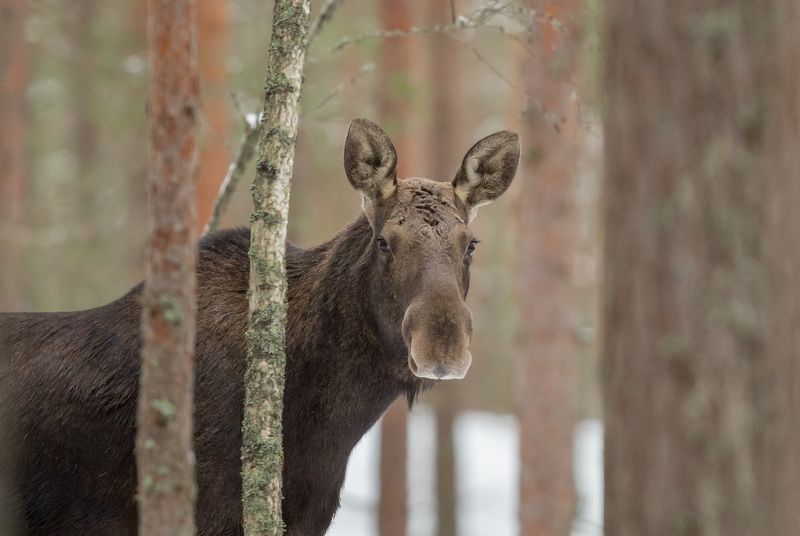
x=237, y=168
x=453, y=11
x=365, y=68
x=325, y=15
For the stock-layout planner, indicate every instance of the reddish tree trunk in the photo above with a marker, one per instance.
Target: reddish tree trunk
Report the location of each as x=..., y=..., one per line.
x=701, y=313
x=548, y=356
x=213, y=32
x=13, y=134
x=443, y=150
x=394, y=66
x=165, y=458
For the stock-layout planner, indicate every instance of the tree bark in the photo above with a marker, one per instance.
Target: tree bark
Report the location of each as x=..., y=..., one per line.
x=13, y=134
x=394, y=66
x=262, y=450
x=213, y=32
x=165, y=458
x=701, y=312
x=547, y=367
x=442, y=154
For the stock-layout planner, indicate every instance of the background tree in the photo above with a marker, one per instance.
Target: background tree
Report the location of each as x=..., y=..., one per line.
x=548, y=222
x=262, y=448
x=164, y=452
x=13, y=134
x=700, y=311
x=213, y=34
x=442, y=150
x=395, y=63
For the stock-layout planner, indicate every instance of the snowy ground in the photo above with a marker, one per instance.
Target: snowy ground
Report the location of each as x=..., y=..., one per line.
x=487, y=492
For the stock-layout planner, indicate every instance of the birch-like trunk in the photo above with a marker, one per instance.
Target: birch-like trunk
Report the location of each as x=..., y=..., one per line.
x=262, y=448
x=165, y=459
x=702, y=268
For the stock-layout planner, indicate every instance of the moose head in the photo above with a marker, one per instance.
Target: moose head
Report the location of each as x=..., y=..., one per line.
x=422, y=245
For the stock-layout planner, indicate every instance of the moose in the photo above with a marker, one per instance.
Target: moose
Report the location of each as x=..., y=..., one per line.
x=375, y=313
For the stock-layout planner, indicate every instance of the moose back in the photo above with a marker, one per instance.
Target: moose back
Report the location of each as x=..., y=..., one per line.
x=376, y=312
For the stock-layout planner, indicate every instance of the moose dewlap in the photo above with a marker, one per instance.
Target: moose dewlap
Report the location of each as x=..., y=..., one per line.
x=376, y=312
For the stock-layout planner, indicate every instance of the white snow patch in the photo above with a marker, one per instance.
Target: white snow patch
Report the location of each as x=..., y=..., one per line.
x=487, y=466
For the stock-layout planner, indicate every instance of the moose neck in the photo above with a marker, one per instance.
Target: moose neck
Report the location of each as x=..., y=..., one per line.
x=333, y=336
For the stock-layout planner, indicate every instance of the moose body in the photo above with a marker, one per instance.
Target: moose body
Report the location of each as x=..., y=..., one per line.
x=376, y=312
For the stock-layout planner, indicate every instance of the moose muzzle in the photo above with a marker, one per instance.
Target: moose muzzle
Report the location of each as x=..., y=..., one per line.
x=437, y=333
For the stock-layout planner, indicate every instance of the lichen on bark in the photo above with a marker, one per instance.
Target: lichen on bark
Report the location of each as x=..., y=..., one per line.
x=262, y=454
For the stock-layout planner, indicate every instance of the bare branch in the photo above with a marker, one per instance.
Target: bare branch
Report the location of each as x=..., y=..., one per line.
x=480, y=18
x=235, y=172
x=325, y=15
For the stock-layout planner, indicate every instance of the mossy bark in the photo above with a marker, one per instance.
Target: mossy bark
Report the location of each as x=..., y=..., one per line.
x=164, y=448
x=262, y=454
x=701, y=346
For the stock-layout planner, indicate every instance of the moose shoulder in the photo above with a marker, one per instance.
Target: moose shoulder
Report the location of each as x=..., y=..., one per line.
x=375, y=313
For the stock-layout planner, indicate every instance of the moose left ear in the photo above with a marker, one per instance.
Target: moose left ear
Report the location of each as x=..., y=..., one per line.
x=487, y=170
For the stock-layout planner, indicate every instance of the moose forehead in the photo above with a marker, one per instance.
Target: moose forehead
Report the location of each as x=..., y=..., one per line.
x=427, y=204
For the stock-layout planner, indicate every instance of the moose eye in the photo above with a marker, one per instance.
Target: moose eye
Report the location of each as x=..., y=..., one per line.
x=471, y=248
x=383, y=245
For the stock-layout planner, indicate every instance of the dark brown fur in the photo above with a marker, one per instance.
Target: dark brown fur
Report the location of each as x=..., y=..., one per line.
x=69, y=380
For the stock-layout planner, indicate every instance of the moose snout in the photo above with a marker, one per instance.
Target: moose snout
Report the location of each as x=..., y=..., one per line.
x=437, y=337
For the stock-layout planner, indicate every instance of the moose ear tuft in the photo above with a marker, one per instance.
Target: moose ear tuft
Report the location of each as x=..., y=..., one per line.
x=370, y=160
x=487, y=170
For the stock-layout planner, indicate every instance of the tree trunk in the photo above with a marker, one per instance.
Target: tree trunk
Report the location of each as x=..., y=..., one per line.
x=13, y=134
x=262, y=447
x=442, y=154
x=701, y=312
x=165, y=458
x=394, y=66
x=548, y=223
x=213, y=32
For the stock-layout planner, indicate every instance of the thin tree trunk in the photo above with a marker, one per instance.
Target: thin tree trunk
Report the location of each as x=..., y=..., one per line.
x=13, y=134
x=701, y=313
x=392, y=506
x=165, y=459
x=262, y=446
x=394, y=71
x=443, y=149
x=213, y=32
x=548, y=222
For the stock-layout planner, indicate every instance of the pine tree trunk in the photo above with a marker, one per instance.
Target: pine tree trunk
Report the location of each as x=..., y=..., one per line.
x=262, y=449
x=701, y=312
x=548, y=226
x=394, y=66
x=213, y=33
x=164, y=453
x=13, y=134
x=442, y=154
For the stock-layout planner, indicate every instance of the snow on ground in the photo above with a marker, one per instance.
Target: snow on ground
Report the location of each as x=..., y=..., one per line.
x=487, y=491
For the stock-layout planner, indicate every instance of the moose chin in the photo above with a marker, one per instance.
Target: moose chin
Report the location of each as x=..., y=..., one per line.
x=375, y=313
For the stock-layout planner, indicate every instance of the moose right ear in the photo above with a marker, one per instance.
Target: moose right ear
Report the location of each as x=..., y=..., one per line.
x=370, y=160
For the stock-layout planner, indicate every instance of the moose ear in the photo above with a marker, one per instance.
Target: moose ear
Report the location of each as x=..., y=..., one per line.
x=370, y=160
x=487, y=170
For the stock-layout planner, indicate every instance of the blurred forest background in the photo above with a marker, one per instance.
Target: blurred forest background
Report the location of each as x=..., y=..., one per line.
x=73, y=175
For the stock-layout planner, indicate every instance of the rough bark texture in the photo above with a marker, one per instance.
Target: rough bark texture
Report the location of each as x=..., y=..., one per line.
x=165, y=458
x=701, y=346
x=213, y=34
x=13, y=133
x=548, y=226
x=262, y=453
x=394, y=67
